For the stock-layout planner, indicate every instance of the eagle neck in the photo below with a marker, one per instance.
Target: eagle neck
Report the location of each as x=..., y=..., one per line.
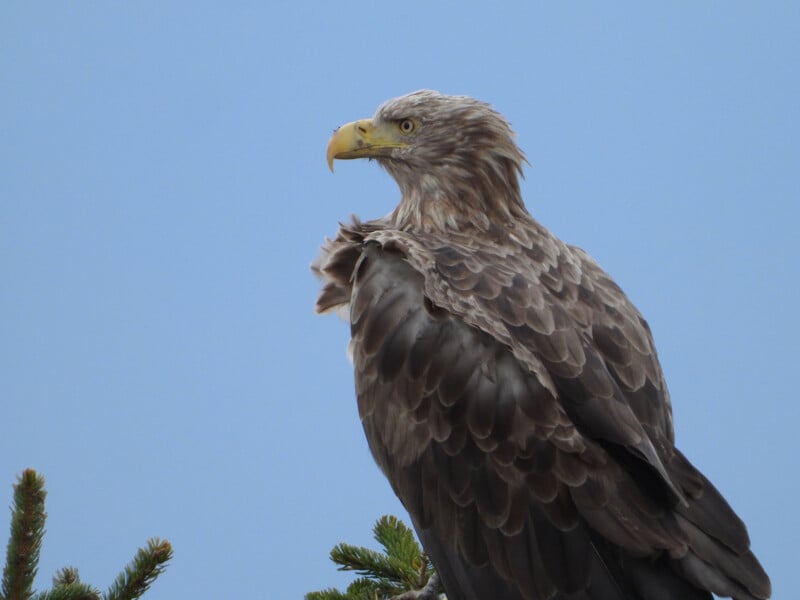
x=434, y=204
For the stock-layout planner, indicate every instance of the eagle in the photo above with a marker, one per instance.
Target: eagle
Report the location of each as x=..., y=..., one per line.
x=509, y=390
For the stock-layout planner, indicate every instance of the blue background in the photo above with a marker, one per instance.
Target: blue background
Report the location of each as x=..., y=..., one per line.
x=163, y=190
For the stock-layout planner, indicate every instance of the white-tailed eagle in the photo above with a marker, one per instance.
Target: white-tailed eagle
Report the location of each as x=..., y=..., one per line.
x=508, y=388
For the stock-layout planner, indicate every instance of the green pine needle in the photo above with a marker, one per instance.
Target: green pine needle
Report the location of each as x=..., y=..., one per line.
x=67, y=586
x=27, y=529
x=66, y=576
x=390, y=572
x=403, y=567
x=22, y=557
x=401, y=547
x=360, y=589
x=365, y=589
x=329, y=594
x=70, y=591
x=148, y=564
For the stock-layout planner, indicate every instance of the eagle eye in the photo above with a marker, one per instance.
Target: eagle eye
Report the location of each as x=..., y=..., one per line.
x=407, y=126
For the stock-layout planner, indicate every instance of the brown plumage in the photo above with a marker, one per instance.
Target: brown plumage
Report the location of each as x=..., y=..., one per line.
x=508, y=389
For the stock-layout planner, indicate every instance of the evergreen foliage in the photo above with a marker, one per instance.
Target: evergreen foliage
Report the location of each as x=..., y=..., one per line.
x=27, y=529
x=22, y=557
x=402, y=570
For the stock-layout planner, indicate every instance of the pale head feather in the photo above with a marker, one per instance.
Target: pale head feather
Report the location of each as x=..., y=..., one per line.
x=461, y=167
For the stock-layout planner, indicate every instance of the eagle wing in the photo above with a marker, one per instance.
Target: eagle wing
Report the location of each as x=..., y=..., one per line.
x=512, y=396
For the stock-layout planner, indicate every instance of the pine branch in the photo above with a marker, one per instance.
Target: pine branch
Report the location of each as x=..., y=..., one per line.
x=399, y=542
x=27, y=529
x=403, y=572
x=65, y=576
x=67, y=585
x=390, y=573
x=364, y=588
x=148, y=564
x=22, y=559
x=329, y=594
x=71, y=591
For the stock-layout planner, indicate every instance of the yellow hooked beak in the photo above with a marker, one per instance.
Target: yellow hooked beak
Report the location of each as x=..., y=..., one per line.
x=363, y=139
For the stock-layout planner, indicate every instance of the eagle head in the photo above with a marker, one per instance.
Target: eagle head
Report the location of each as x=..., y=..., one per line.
x=450, y=156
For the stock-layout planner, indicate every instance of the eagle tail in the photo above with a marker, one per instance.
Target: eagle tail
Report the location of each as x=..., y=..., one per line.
x=719, y=558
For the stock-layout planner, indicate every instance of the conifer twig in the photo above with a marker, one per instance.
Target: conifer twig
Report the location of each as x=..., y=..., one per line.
x=66, y=576
x=401, y=572
x=22, y=558
x=67, y=585
x=137, y=576
x=27, y=529
x=70, y=591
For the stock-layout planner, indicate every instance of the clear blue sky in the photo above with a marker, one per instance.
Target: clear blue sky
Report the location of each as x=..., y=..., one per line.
x=163, y=189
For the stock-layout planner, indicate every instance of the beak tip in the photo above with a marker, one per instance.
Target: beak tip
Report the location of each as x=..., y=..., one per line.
x=330, y=155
